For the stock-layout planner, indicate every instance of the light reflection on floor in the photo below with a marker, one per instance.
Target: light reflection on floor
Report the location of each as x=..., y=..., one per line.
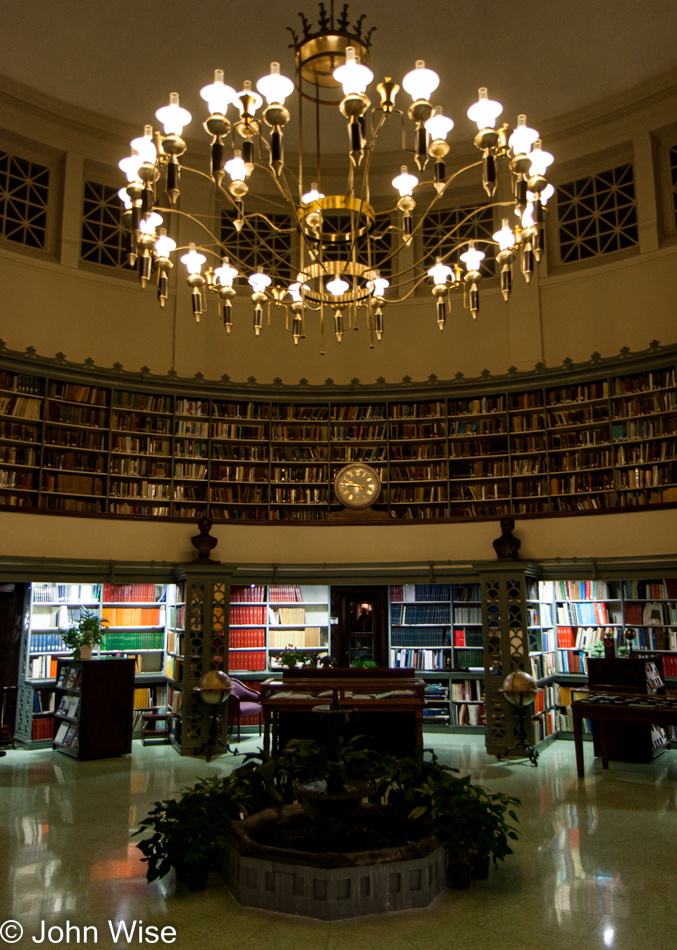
x=594, y=866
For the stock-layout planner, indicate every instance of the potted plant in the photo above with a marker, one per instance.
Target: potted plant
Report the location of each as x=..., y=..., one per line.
x=84, y=635
x=188, y=833
x=291, y=658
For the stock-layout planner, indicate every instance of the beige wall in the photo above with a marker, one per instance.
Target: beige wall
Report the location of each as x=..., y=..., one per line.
x=629, y=535
x=50, y=303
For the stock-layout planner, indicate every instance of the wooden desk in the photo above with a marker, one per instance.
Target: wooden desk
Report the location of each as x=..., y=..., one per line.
x=647, y=710
x=369, y=695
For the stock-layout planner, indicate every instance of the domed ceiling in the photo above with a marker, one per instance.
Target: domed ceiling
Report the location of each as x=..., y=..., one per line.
x=121, y=59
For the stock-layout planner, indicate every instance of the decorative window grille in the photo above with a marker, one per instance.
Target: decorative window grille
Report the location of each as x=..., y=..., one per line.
x=441, y=230
x=381, y=249
x=24, y=193
x=597, y=215
x=259, y=245
x=673, y=182
x=104, y=239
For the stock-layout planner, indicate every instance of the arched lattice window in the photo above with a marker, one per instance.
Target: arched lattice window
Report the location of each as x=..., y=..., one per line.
x=24, y=193
x=597, y=215
x=104, y=239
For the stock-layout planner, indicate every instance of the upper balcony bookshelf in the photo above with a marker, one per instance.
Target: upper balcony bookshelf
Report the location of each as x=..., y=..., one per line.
x=600, y=443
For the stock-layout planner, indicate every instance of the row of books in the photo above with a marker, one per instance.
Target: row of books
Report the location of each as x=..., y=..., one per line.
x=467, y=691
x=584, y=637
x=62, y=593
x=299, y=639
x=410, y=593
x=468, y=714
x=143, y=640
x=247, y=594
x=142, y=698
x=575, y=590
x=591, y=612
x=20, y=406
x=67, y=735
x=467, y=614
x=467, y=638
x=133, y=593
x=287, y=616
x=651, y=590
x=542, y=665
x=421, y=613
x=420, y=637
x=134, y=616
x=653, y=613
x=20, y=383
x=254, y=637
x=468, y=659
x=247, y=615
x=43, y=701
x=247, y=660
x=545, y=724
x=421, y=659
x=69, y=707
x=45, y=642
x=43, y=667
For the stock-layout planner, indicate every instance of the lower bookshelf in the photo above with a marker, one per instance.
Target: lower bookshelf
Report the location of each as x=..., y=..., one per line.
x=94, y=708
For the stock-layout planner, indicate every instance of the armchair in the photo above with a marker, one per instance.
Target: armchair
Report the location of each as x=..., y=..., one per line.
x=243, y=702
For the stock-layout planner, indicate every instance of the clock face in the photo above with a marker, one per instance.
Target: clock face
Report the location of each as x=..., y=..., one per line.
x=357, y=486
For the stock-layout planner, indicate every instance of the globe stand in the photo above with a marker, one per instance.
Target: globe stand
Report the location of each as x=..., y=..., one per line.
x=214, y=742
x=522, y=741
x=519, y=689
x=214, y=689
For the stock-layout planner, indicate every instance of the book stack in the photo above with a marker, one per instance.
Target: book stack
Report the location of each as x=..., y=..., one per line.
x=247, y=615
x=249, y=660
x=254, y=637
x=131, y=593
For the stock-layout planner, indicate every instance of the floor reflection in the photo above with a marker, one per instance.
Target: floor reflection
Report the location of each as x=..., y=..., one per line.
x=592, y=868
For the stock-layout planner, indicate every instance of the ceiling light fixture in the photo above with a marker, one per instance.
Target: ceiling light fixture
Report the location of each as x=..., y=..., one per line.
x=343, y=244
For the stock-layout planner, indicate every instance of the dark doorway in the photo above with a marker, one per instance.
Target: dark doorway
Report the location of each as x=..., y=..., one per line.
x=359, y=630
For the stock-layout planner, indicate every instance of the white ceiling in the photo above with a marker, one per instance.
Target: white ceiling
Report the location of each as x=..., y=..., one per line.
x=122, y=58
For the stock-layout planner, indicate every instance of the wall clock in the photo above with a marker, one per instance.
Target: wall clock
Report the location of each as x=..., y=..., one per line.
x=357, y=486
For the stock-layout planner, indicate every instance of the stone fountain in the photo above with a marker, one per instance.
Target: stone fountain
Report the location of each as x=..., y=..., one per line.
x=339, y=856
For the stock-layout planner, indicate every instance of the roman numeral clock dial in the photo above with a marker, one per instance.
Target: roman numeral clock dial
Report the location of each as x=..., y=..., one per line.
x=357, y=486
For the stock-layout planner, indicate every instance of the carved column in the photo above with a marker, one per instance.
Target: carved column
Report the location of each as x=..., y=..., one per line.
x=506, y=644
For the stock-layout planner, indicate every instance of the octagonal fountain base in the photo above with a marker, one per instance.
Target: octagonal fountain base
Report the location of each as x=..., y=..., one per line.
x=330, y=885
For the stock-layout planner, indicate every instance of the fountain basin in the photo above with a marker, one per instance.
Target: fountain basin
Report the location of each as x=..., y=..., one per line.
x=328, y=885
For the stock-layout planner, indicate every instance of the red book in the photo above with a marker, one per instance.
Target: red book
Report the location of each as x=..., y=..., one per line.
x=459, y=638
x=565, y=638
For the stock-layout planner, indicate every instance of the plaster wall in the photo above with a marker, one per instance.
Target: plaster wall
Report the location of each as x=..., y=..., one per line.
x=628, y=534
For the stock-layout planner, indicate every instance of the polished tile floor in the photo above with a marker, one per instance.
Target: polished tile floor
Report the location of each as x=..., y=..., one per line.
x=595, y=866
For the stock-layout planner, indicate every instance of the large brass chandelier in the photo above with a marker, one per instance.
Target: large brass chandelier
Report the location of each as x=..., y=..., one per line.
x=344, y=245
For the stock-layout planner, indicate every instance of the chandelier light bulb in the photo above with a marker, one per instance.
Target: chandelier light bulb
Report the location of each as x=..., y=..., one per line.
x=150, y=223
x=236, y=167
x=353, y=75
x=295, y=292
x=421, y=83
x=124, y=198
x=274, y=86
x=218, y=95
x=505, y=237
x=523, y=137
x=438, y=125
x=544, y=196
x=440, y=273
x=248, y=91
x=472, y=258
x=528, y=216
x=378, y=286
x=193, y=260
x=337, y=287
x=145, y=147
x=539, y=159
x=225, y=274
x=485, y=111
x=164, y=245
x=312, y=195
x=259, y=281
x=173, y=117
x=130, y=166
x=404, y=182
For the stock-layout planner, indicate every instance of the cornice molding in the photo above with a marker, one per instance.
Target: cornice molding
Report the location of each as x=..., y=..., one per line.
x=60, y=367
x=44, y=107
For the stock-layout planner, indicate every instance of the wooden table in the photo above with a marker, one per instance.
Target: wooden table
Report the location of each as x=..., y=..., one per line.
x=645, y=709
x=385, y=695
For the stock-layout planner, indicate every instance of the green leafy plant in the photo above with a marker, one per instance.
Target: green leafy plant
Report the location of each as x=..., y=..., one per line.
x=88, y=631
x=292, y=658
x=364, y=665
